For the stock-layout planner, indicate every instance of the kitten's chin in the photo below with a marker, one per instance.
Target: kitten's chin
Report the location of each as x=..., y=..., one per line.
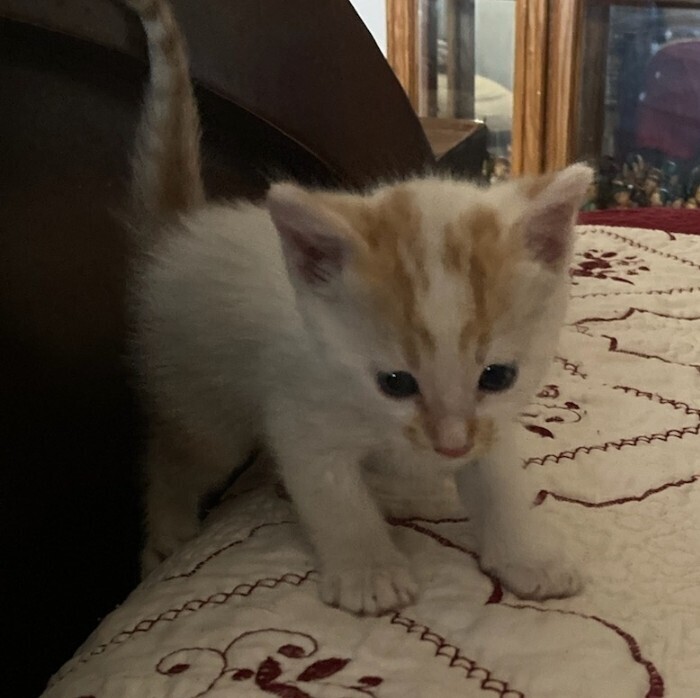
x=443, y=463
x=477, y=452
x=431, y=461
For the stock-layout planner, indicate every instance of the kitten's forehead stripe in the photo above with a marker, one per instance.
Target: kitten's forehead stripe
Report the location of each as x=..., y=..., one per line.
x=455, y=257
x=400, y=252
x=488, y=271
x=394, y=262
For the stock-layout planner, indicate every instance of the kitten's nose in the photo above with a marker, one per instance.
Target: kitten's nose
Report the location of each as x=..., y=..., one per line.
x=453, y=452
x=450, y=438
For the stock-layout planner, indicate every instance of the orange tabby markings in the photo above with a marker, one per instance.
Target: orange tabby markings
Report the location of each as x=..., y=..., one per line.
x=392, y=261
x=492, y=259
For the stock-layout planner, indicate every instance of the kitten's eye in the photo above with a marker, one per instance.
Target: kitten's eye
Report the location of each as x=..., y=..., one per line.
x=497, y=377
x=398, y=384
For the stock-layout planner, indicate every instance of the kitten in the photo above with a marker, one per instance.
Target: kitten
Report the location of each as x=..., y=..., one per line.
x=400, y=330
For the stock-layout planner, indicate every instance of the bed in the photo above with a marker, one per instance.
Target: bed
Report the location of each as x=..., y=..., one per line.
x=612, y=442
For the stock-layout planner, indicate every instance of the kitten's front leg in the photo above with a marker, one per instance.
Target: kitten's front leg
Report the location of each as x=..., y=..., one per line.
x=514, y=541
x=361, y=569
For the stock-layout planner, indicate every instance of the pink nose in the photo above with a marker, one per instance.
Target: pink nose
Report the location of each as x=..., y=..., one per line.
x=453, y=452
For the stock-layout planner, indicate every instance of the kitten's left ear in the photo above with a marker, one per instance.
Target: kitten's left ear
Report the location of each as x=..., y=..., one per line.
x=550, y=214
x=316, y=241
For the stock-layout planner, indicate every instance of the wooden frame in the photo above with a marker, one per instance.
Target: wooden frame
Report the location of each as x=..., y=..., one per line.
x=529, y=86
x=548, y=58
x=547, y=79
x=402, y=44
x=530, y=82
x=461, y=59
x=549, y=91
x=587, y=139
x=564, y=50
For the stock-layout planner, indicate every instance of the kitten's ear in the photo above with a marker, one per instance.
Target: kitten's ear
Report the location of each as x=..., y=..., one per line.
x=316, y=242
x=550, y=214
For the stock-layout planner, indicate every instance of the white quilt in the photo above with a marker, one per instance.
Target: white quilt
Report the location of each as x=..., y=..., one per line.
x=612, y=442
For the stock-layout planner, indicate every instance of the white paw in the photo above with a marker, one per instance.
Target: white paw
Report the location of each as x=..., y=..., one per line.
x=541, y=573
x=369, y=587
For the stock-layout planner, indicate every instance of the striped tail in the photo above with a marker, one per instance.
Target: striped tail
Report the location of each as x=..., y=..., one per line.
x=167, y=177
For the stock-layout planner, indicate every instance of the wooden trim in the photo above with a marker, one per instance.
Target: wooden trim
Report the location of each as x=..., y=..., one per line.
x=530, y=86
x=427, y=38
x=402, y=44
x=563, y=81
x=517, y=132
x=590, y=105
x=452, y=22
x=461, y=59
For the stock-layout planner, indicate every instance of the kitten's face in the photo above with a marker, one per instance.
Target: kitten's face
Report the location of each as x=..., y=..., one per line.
x=440, y=301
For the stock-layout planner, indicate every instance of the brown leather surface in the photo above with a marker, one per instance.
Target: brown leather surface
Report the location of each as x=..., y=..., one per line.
x=308, y=68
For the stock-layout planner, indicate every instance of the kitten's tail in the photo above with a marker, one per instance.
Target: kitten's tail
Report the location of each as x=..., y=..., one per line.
x=167, y=176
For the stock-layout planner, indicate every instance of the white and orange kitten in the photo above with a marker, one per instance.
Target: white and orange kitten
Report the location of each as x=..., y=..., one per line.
x=400, y=330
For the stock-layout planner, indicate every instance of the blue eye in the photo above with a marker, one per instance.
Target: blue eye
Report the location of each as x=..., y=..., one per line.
x=397, y=384
x=497, y=378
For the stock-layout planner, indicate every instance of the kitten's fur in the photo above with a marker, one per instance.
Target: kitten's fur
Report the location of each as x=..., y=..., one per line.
x=268, y=324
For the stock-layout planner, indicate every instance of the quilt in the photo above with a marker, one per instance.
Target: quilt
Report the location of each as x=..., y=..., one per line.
x=612, y=443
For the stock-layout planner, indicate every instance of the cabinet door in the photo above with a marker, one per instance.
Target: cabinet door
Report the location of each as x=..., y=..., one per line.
x=456, y=60
x=635, y=88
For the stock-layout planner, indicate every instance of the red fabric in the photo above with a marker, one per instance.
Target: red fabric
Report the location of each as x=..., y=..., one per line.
x=669, y=219
x=669, y=111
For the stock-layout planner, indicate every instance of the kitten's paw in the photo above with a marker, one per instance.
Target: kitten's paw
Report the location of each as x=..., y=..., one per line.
x=541, y=574
x=369, y=587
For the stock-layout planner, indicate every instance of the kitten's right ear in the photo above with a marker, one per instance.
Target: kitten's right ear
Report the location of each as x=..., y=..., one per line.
x=316, y=242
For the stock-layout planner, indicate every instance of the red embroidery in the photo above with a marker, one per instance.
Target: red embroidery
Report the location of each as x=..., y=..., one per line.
x=656, y=682
x=598, y=264
x=496, y=591
x=191, y=606
x=613, y=346
x=456, y=659
x=214, y=668
x=542, y=495
x=664, y=292
x=421, y=519
x=541, y=417
x=632, y=441
x=570, y=367
x=638, y=245
x=226, y=547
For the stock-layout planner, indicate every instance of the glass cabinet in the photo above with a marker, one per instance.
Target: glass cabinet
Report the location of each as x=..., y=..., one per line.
x=639, y=110
x=612, y=82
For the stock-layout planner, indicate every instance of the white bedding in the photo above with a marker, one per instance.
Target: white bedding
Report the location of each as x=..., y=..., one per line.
x=613, y=444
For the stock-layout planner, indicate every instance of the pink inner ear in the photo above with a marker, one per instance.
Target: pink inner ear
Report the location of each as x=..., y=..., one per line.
x=313, y=239
x=317, y=258
x=549, y=233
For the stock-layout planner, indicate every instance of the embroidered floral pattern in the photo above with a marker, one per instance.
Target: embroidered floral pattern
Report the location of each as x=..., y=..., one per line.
x=598, y=264
x=542, y=417
x=280, y=672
